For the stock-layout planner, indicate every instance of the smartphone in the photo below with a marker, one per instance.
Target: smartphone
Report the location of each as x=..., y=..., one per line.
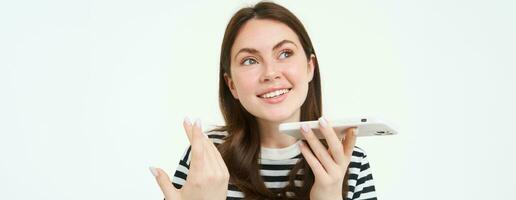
x=366, y=126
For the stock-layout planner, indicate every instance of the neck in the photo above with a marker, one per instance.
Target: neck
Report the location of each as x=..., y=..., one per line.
x=270, y=136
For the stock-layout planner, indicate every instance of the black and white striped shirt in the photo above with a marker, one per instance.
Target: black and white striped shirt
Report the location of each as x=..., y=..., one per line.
x=276, y=165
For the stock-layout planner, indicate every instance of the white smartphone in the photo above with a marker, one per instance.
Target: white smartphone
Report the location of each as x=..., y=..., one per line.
x=366, y=126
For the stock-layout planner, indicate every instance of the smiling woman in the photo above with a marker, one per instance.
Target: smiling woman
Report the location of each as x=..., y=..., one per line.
x=269, y=75
x=269, y=60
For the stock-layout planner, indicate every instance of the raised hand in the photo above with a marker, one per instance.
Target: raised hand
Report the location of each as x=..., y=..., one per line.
x=208, y=175
x=328, y=165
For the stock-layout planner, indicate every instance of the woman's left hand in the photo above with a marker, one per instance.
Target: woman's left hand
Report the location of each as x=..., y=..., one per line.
x=328, y=165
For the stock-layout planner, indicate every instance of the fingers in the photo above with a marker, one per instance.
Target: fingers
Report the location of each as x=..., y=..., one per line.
x=338, y=153
x=206, y=164
x=211, y=161
x=312, y=161
x=218, y=159
x=164, y=183
x=334, y=144
x=198, y=146
x=187, y=125
x=212, y=158
x=318, y=148
x=349, y=140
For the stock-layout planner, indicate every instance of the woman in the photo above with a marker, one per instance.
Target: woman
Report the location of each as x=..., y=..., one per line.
x=269, y=74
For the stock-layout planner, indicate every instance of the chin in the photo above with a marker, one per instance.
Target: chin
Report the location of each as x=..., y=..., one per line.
x=278, y=117
x=285, y=111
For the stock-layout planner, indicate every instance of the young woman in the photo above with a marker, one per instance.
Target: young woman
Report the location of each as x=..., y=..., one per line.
x=269, y=74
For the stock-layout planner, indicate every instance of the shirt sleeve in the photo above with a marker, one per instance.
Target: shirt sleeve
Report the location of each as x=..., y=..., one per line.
x=181, y=172
x=365, y=189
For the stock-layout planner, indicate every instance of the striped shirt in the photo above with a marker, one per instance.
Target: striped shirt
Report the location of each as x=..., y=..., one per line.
x=275, y=165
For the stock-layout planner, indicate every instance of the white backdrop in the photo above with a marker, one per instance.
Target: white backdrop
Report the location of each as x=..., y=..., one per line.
x=94, y=92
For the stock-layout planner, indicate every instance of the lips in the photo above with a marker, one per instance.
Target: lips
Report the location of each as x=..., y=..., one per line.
x=275, y=97
x=271, y=92
x=274, y=94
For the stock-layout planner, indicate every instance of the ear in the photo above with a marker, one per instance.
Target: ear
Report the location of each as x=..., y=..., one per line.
x=231, y=85
x=311, y=67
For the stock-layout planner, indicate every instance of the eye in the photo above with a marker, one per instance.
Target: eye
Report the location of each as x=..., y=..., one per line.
x=248, y=61
x=285, y=54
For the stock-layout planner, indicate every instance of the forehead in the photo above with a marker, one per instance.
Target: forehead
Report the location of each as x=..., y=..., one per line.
x=263, y=34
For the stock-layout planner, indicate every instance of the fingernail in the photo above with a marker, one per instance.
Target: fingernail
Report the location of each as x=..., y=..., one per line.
x=153, y=171
x=323, y=122
x=206, y=135
x=188, y=121
x=305, y=128
x=198, y=123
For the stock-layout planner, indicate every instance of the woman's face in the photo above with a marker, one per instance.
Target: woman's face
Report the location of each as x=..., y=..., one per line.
x=269, y=71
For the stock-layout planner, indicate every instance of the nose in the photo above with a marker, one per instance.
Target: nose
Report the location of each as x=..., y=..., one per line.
x=270, y=74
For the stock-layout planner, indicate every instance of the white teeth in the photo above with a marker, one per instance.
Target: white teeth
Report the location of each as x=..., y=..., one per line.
x=274, y=93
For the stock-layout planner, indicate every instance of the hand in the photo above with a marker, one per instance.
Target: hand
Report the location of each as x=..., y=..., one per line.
x=328, y=165
x=208, y=175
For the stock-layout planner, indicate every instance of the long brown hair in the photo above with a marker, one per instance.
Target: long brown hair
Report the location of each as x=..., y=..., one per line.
x=241, y=148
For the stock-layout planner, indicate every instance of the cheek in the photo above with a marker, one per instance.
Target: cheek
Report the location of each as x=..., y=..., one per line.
x=298, y=67
x=244, y=84
x=297, y=75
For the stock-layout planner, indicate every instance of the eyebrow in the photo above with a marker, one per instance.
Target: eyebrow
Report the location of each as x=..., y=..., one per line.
x=254, y=51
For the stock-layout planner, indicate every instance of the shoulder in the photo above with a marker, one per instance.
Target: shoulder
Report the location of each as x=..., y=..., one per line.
x=360, y=178
x=217, y=137
x=358, y=160
x=359, y=152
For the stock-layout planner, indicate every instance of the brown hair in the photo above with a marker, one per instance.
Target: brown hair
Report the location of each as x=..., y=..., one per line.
x=241, y=148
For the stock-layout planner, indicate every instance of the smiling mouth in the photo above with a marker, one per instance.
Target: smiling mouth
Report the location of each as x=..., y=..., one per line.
x=275, y=93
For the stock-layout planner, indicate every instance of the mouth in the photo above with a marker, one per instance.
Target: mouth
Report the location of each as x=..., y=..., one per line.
x=276, y=94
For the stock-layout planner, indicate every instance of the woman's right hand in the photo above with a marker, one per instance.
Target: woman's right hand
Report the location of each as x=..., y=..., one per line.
x=208, y=175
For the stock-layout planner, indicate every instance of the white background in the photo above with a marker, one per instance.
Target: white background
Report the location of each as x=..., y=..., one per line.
x=94, y=92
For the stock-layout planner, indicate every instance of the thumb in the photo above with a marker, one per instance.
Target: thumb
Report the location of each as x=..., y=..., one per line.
x=164, y=183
